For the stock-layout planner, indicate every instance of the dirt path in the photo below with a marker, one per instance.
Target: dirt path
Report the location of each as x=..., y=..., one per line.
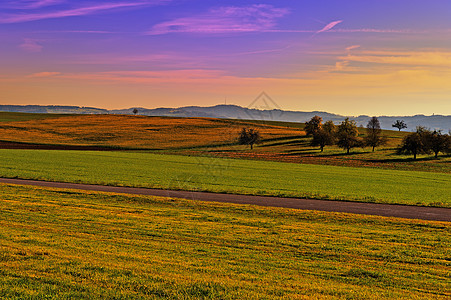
x=386, y=210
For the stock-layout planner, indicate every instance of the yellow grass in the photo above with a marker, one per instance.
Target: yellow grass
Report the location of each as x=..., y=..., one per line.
x=134, y=131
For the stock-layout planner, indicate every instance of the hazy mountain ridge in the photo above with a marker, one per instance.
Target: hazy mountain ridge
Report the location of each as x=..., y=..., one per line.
x=53, y=109
x=442, y=122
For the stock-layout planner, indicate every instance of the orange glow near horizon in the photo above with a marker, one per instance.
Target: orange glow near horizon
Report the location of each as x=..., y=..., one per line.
x=377, y=64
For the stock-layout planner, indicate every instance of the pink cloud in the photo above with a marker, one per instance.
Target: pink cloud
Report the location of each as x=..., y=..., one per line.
x=329, y=26
x=352, y=47
x=18, y=18
x=36, y=3
x=148, y=77
x=252, y=18
x=31, y=45
x=375, y=30
x=44, y=74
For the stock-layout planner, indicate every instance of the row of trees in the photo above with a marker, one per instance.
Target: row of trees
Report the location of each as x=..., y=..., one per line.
x=425, y=141
x=346, y=136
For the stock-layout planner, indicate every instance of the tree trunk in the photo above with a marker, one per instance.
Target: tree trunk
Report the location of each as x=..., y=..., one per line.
x=348, y=150
x=436, y=154
x=252, y=146
x=414, y=156
x=322, y=148
x=373, y=148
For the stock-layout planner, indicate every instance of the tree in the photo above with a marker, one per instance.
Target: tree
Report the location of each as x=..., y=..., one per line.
x=347, y=135
x=330, y=127
x=313, y=125
x=374, y=137
x=400, y=124
x=135, y=111
x=249, y=137
x=324, y=136
x=412, y=144
x=437, y=142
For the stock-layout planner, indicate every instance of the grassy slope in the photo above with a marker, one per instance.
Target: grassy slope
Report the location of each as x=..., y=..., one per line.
x=68, y=244
x=20, y=117
x=134, y=131
x=201, y=136
x=298, y=150
x=229, y=175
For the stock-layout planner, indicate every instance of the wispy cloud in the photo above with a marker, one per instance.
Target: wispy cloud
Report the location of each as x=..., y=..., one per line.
x=44, y=74
x=420, y=58
x=355, y=30
x=352, y=47
x=32, y=4
x=31, y=45
x=147, y=77
x=79, y=31
x=253, y=18
x=80, y=11
x=376, y=30
x=329, y=26
x=169, y=60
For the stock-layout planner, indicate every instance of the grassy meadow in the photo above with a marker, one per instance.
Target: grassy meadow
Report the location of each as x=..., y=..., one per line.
x=19, y=117
x=65, y=244
x=282, y=141
x=133, y=132
x=239, y=176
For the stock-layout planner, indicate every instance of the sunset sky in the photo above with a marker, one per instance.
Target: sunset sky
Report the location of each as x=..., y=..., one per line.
x=384, y=57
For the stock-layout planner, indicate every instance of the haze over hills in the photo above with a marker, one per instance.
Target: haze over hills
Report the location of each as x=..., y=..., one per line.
x=442, y=122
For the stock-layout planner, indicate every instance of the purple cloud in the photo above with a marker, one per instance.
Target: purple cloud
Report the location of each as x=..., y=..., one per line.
x=37, y=3
x=252, y=18
x=81, y=11
x=31, y=45
x=30, y=4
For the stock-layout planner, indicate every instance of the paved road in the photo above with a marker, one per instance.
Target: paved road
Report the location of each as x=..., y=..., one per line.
x=386, y=210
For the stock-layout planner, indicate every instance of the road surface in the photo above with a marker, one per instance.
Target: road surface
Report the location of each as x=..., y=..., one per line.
x=386, y=210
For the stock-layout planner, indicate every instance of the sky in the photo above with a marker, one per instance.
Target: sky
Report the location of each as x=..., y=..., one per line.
x=353, y=57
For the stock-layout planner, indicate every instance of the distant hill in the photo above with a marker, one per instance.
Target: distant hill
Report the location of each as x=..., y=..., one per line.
x=52, y=109
x=237, y=112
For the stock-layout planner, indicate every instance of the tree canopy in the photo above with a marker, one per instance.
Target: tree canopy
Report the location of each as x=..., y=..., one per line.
x=412, y=144
x=374, y=137
x=313, y=125
x=325, y=135
x=249, y=137
x=400, y=124
x=347, y=135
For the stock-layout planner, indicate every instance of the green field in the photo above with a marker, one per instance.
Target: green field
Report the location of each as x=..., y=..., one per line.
x=229, y=176
x=281, y=141
x=63, y=244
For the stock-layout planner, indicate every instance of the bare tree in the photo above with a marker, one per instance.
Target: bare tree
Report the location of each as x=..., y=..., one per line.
x=135, y=111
